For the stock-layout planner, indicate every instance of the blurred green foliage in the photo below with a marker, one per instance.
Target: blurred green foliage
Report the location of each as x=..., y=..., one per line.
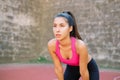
x=40, y=60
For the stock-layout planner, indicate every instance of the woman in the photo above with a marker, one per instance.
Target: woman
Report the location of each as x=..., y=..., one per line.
x=67, y=47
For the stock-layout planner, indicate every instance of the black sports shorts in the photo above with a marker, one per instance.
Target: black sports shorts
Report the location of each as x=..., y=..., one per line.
x=73, y=73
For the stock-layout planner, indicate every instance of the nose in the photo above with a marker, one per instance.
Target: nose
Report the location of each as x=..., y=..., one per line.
x=57, y=29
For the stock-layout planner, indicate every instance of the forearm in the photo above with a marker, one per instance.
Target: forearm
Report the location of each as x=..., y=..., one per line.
x=59, y=74
x=85, y=75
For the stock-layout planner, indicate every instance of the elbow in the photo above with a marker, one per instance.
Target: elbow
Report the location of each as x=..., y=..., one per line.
x=58, y=70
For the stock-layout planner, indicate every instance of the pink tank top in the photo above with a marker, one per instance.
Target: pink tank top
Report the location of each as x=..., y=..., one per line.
x=74, y=61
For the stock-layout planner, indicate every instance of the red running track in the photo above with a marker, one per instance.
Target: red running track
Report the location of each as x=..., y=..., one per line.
x=42, y=72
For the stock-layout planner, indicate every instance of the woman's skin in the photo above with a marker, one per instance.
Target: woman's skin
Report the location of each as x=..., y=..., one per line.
x=61, y=30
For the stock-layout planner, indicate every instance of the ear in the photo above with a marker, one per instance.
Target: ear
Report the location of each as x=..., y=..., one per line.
x=71, y=28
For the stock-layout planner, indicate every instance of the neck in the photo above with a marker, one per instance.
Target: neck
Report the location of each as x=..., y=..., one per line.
x=65, y=42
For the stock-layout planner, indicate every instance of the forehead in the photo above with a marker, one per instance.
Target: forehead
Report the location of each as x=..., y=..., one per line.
x=60, y=20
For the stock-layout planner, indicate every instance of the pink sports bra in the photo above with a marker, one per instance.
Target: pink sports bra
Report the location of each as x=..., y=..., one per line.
x=74, y=61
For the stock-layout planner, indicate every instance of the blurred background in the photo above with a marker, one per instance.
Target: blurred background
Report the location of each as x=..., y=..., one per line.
x=26, y=27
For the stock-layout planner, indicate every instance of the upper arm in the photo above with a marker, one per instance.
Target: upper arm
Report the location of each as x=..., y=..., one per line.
x=51, y=48
x=83, y=53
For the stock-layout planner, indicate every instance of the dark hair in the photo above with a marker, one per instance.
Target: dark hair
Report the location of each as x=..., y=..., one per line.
x=72, y=22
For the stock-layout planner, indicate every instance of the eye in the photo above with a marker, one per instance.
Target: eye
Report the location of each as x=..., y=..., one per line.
x=62, y=25
x=54, y=25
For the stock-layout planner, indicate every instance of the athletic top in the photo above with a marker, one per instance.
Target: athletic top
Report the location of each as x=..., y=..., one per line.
x=74, y=61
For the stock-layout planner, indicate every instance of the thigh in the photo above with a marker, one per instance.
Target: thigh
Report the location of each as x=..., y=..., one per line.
x=94, y=76
x=71, y=73
x=93, y=70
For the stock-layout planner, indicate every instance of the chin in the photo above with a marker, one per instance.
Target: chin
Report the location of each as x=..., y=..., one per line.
x=58, y=39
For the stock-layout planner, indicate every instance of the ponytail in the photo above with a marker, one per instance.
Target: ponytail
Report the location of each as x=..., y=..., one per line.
x=74, y=32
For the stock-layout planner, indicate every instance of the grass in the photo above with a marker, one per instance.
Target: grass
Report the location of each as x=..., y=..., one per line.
x=46, y=61
x=109, y=67
x=40, y=60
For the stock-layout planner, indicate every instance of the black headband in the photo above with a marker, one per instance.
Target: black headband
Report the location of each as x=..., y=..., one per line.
x=67, y=16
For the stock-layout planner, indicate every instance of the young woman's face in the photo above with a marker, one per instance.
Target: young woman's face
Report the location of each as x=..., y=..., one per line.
x=61, y=28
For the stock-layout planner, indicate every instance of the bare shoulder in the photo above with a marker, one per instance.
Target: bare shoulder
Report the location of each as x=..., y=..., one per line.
x=52, y=44
x=80, y=45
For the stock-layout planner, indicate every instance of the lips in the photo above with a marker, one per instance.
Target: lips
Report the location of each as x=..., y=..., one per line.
x=58, y=35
